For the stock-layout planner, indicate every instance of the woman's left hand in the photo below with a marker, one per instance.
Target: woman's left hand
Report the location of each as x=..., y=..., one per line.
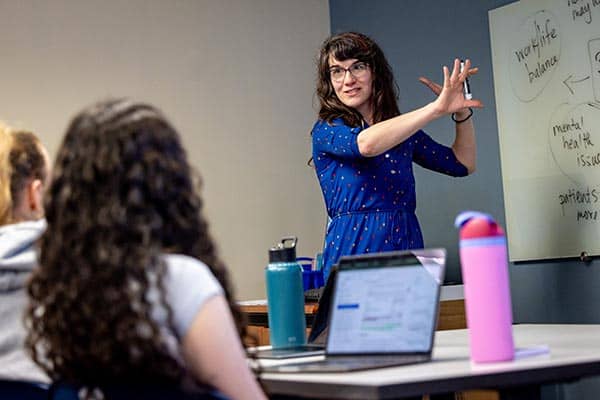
x=450, y=96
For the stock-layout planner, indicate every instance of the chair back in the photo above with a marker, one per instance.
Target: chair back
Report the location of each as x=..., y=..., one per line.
x=23, y=390
x=64, y=391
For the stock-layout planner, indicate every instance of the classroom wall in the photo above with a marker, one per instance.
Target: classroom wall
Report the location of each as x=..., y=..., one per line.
x=235, y=77
x=419, y=37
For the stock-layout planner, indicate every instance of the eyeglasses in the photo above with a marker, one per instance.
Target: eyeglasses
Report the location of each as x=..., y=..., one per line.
x=357, y=70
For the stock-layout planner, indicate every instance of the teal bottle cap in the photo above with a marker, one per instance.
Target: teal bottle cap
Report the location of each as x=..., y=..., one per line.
x=283, y=253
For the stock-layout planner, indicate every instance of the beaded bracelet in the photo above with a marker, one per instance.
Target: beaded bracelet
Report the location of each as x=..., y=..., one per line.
x=458, y=121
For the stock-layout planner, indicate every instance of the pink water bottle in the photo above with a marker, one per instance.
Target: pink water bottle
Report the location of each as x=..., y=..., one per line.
x=484, y=266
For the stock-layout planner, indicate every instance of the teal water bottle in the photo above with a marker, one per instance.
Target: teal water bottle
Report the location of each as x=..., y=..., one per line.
x=285, y=296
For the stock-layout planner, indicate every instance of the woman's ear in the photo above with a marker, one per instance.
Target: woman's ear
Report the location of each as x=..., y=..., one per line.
x=35, y=192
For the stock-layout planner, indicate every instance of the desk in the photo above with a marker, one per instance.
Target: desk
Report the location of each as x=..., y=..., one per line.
x=451, y=313
x=574, y=353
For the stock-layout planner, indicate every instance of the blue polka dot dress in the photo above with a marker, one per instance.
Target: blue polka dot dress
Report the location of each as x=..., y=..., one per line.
x=371, y=201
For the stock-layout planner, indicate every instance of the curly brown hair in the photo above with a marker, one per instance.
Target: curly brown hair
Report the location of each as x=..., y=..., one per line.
x=349, y=45
x=122, y=194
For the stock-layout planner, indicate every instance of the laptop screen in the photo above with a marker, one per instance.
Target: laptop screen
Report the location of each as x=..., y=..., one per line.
x=386, y=303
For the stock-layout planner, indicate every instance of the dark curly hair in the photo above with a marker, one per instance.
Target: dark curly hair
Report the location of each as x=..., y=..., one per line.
x=121, y=195
x=349, y=45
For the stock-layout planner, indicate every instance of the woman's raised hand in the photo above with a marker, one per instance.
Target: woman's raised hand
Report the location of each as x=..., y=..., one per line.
x=451, y=96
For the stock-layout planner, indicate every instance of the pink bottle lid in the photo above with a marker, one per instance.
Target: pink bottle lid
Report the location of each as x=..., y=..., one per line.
x=474, y=224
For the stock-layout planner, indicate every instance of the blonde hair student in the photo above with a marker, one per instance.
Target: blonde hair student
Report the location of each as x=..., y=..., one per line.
x=24, y=169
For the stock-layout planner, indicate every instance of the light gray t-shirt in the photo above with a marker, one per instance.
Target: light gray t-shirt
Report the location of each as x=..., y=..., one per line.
x=189, y=283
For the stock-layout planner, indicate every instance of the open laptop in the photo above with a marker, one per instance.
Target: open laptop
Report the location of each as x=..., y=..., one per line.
x=384, y=309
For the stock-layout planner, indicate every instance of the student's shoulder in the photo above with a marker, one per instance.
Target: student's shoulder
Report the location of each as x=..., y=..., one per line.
x=189, y=285
x=181, y=268
x=183, y=261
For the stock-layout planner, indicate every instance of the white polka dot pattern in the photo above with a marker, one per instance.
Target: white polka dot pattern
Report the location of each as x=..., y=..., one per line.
x=371, y=201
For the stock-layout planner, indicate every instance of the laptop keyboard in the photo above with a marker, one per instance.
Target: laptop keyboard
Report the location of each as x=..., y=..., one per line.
x=313, y=295
x=351, y=363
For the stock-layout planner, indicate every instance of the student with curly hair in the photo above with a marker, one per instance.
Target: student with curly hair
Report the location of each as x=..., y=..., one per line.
x=130, y=288
x=24, y=169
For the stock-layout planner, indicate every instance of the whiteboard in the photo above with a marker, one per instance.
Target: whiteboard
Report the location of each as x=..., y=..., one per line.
x=546, y=64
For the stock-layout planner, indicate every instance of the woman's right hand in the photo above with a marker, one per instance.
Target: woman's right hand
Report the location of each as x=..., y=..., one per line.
x=384, y=135
x=451, y=97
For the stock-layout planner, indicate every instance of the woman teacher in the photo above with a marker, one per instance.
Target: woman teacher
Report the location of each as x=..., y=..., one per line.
x=363, y=147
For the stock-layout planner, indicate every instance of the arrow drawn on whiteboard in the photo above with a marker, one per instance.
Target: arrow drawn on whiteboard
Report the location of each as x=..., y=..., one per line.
x=595, y=105
x=566, y=82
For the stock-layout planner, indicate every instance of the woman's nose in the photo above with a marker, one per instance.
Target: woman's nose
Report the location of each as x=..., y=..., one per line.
x=348, y=77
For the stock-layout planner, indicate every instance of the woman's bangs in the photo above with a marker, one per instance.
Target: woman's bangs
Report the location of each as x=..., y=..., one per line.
x=346, y=49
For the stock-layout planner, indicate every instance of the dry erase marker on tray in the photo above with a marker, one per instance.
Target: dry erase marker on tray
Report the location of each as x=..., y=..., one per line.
x=466, y=87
